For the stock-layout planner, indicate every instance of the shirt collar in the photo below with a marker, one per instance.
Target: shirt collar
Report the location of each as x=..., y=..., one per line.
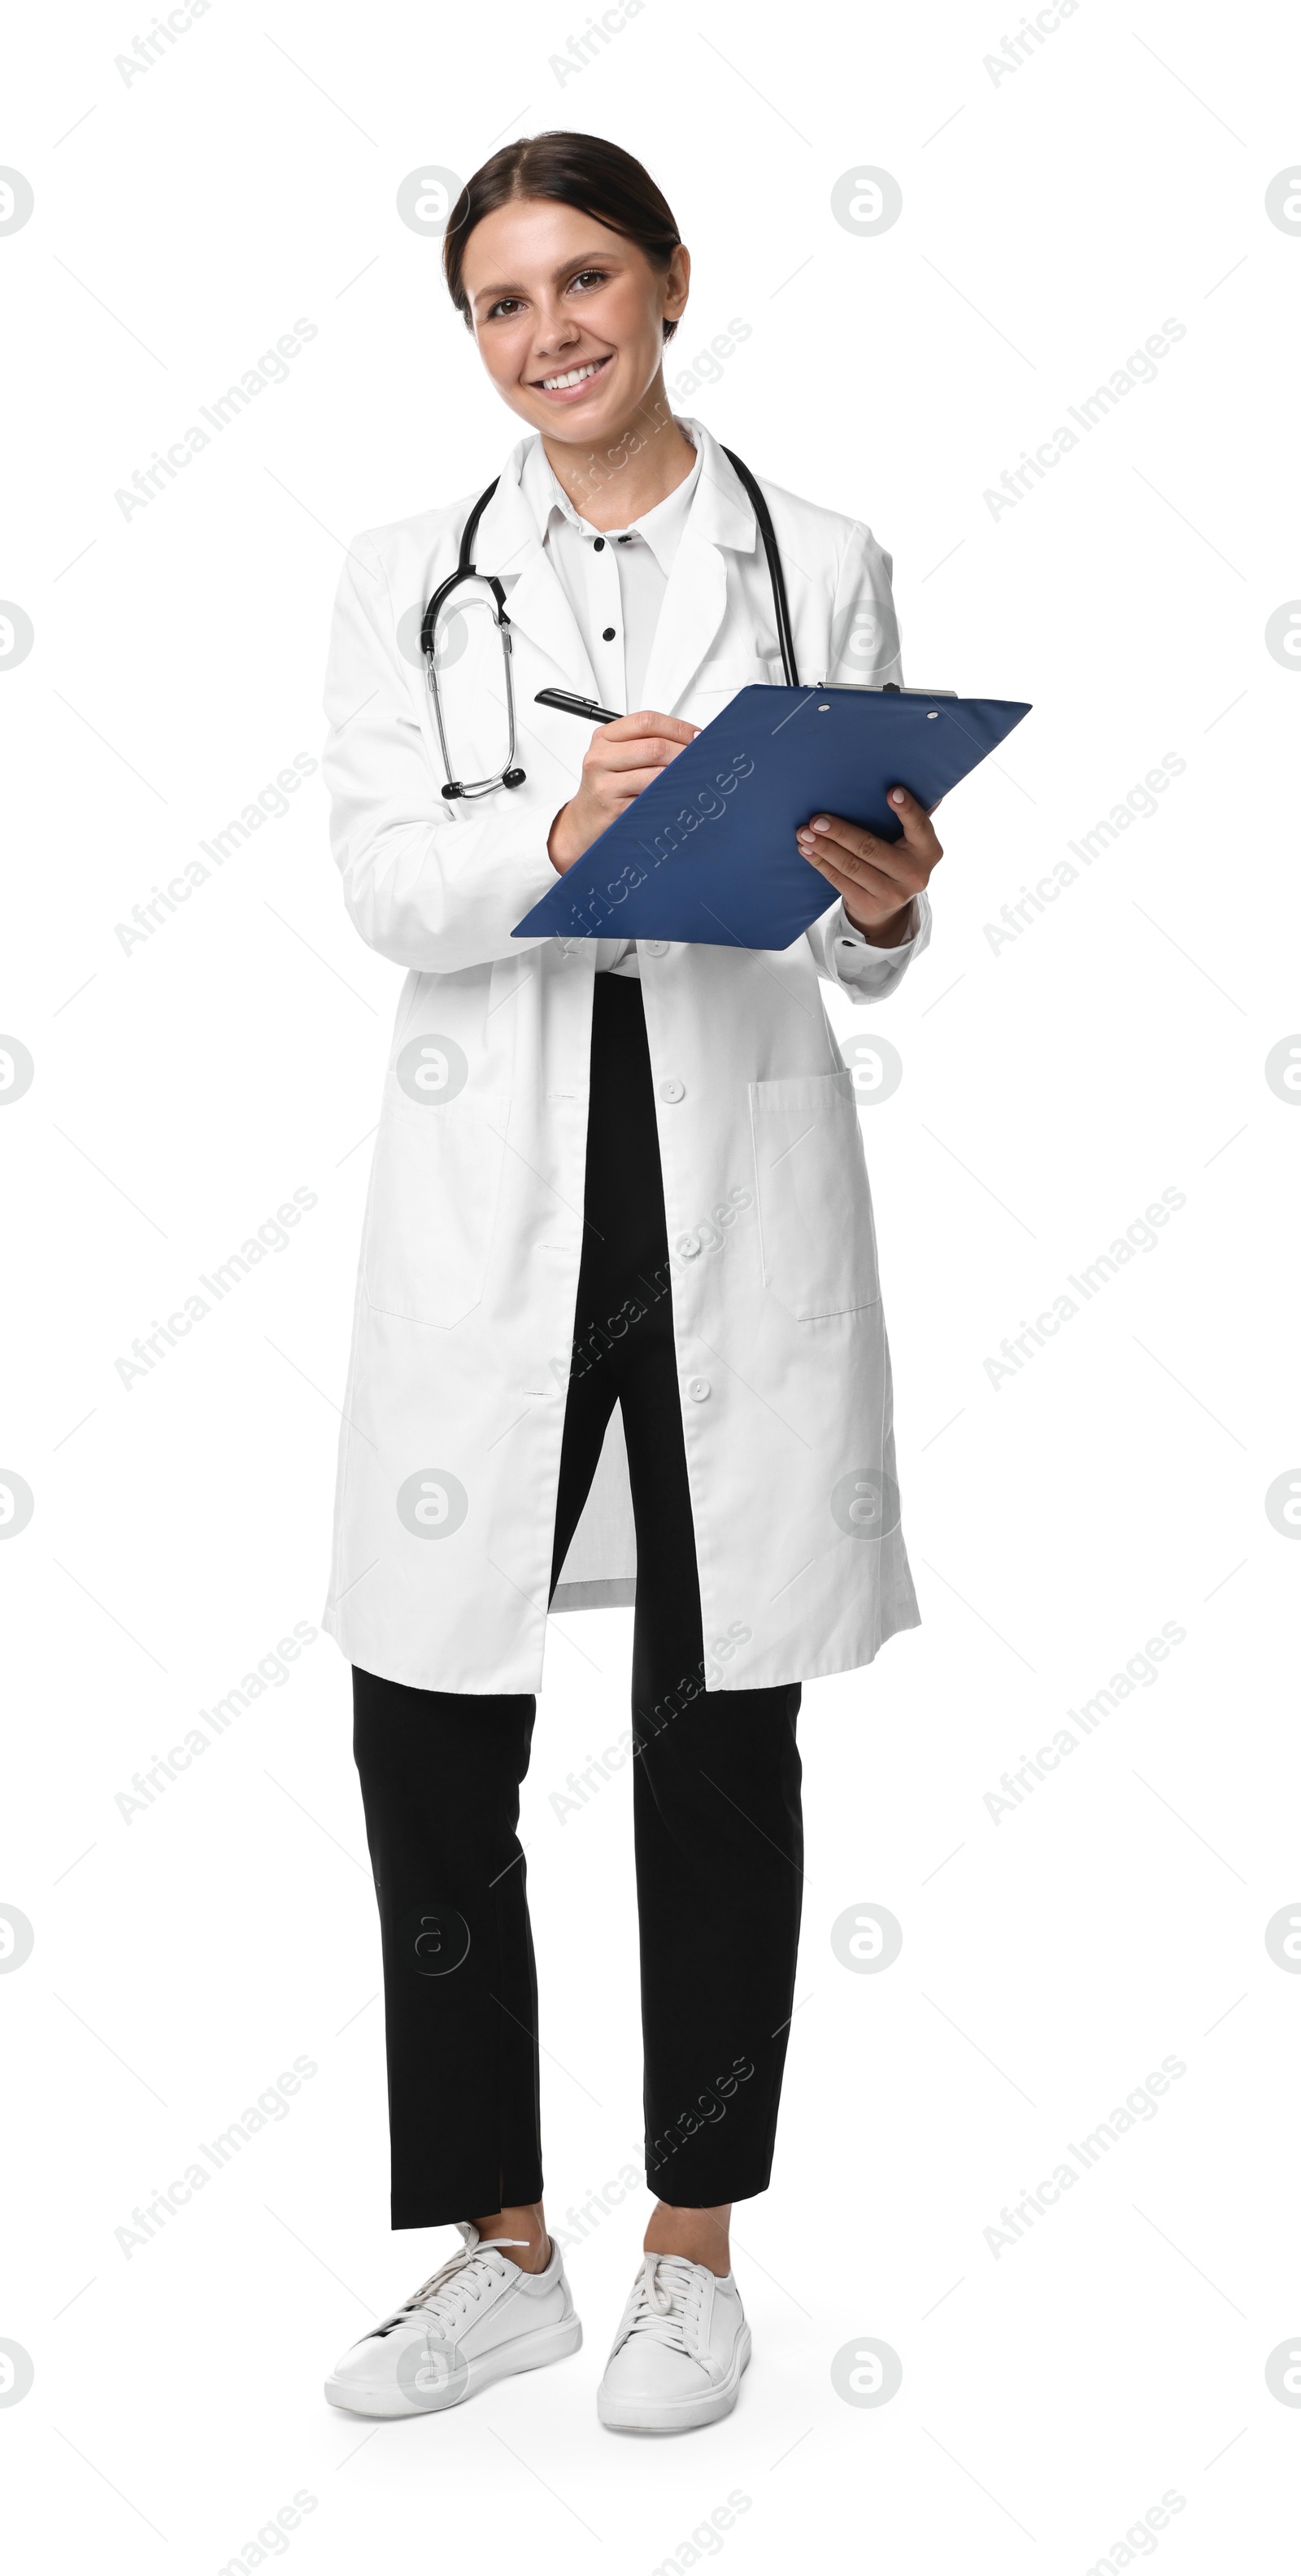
x=660, y=527
x=511, y=530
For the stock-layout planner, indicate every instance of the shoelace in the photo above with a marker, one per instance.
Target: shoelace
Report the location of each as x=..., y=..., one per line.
x=458, y=2285
x=666, y=2300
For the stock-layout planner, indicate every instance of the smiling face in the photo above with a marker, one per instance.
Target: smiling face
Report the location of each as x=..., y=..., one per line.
x=568, y=318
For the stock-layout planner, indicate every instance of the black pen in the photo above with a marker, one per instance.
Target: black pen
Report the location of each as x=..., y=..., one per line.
x=569, y=705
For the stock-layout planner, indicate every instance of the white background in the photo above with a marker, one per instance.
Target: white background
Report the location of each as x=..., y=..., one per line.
x=1052, y=219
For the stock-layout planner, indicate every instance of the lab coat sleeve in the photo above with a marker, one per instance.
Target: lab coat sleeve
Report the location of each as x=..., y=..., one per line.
x=864, y=649
x=848, y=959
x=432, y=885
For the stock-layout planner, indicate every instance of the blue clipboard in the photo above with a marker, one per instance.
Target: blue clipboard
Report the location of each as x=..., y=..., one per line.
x=706, y=854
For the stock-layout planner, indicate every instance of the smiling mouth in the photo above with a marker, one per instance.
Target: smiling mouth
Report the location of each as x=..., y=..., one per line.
x=570, y=377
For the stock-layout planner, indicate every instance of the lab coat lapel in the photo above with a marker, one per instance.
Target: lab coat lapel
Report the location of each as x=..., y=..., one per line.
x=695, y=601
x=691, y=613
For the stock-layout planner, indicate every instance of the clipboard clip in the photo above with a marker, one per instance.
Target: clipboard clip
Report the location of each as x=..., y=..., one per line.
x=887, y=688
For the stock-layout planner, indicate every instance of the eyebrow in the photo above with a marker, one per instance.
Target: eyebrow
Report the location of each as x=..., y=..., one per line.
x=566, y=268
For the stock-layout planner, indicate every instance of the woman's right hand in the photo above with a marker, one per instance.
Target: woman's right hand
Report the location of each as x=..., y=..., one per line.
x=620, y=760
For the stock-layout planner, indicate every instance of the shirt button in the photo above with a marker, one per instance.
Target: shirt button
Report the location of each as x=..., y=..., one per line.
x=673, y=1090
x=599, y=544
x=607, y=634
x=699, y=1390
x=654, y=947
x=623, y=541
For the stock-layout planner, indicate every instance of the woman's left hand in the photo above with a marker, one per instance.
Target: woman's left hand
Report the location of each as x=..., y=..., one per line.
x=876, y=880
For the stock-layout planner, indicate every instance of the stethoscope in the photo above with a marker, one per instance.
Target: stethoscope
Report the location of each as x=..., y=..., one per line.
x=511, y=775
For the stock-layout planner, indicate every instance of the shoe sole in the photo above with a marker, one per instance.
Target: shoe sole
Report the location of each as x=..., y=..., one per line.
x=683, y=2415
x=525, y=2352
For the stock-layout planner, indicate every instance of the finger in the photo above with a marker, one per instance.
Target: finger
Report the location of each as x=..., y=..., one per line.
x=919, y=846
x=854, y=850
x=646, y=721
x=632, y=751
x=862, y=882
x=918, y=829
x=629, y=783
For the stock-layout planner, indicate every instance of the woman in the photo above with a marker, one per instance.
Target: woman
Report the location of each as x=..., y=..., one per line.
x=618, y=1309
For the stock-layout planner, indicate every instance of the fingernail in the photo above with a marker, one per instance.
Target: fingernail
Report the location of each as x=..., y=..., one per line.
x=896, y=795
x=821, y=823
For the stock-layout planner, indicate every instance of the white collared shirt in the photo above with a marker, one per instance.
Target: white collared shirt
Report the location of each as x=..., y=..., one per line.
x=615, y=581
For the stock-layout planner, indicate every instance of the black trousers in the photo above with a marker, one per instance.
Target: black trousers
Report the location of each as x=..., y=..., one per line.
x=716, y=1786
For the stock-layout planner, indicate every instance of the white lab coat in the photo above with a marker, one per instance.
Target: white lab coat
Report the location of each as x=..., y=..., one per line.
x=465, y=1308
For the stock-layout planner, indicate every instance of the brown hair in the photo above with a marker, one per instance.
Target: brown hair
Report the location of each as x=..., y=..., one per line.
x=574, y=170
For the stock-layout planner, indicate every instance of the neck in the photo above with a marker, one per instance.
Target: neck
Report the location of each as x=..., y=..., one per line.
x=640, y=463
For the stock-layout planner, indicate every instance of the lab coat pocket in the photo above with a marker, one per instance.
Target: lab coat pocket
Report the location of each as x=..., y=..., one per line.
x=434, y=1192
x=815, y=1207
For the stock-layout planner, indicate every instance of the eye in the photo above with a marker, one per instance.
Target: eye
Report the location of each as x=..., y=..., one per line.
x=590, y=277
x=504, y=304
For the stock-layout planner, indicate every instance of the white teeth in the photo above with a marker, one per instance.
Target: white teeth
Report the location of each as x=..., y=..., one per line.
x=576, y=376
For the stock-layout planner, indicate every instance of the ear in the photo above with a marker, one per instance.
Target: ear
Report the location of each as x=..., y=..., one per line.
x=677, y=284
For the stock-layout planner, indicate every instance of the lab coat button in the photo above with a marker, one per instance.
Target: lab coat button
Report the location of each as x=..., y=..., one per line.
x=689, y=1246
x=673, y=1090
x=699, y=1390
x=654, y=947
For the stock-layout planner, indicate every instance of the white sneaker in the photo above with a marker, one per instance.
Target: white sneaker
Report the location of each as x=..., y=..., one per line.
x=476, y=2320
x=678, y=2356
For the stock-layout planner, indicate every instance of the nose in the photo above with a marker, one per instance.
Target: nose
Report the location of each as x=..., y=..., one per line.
x=555, y=330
